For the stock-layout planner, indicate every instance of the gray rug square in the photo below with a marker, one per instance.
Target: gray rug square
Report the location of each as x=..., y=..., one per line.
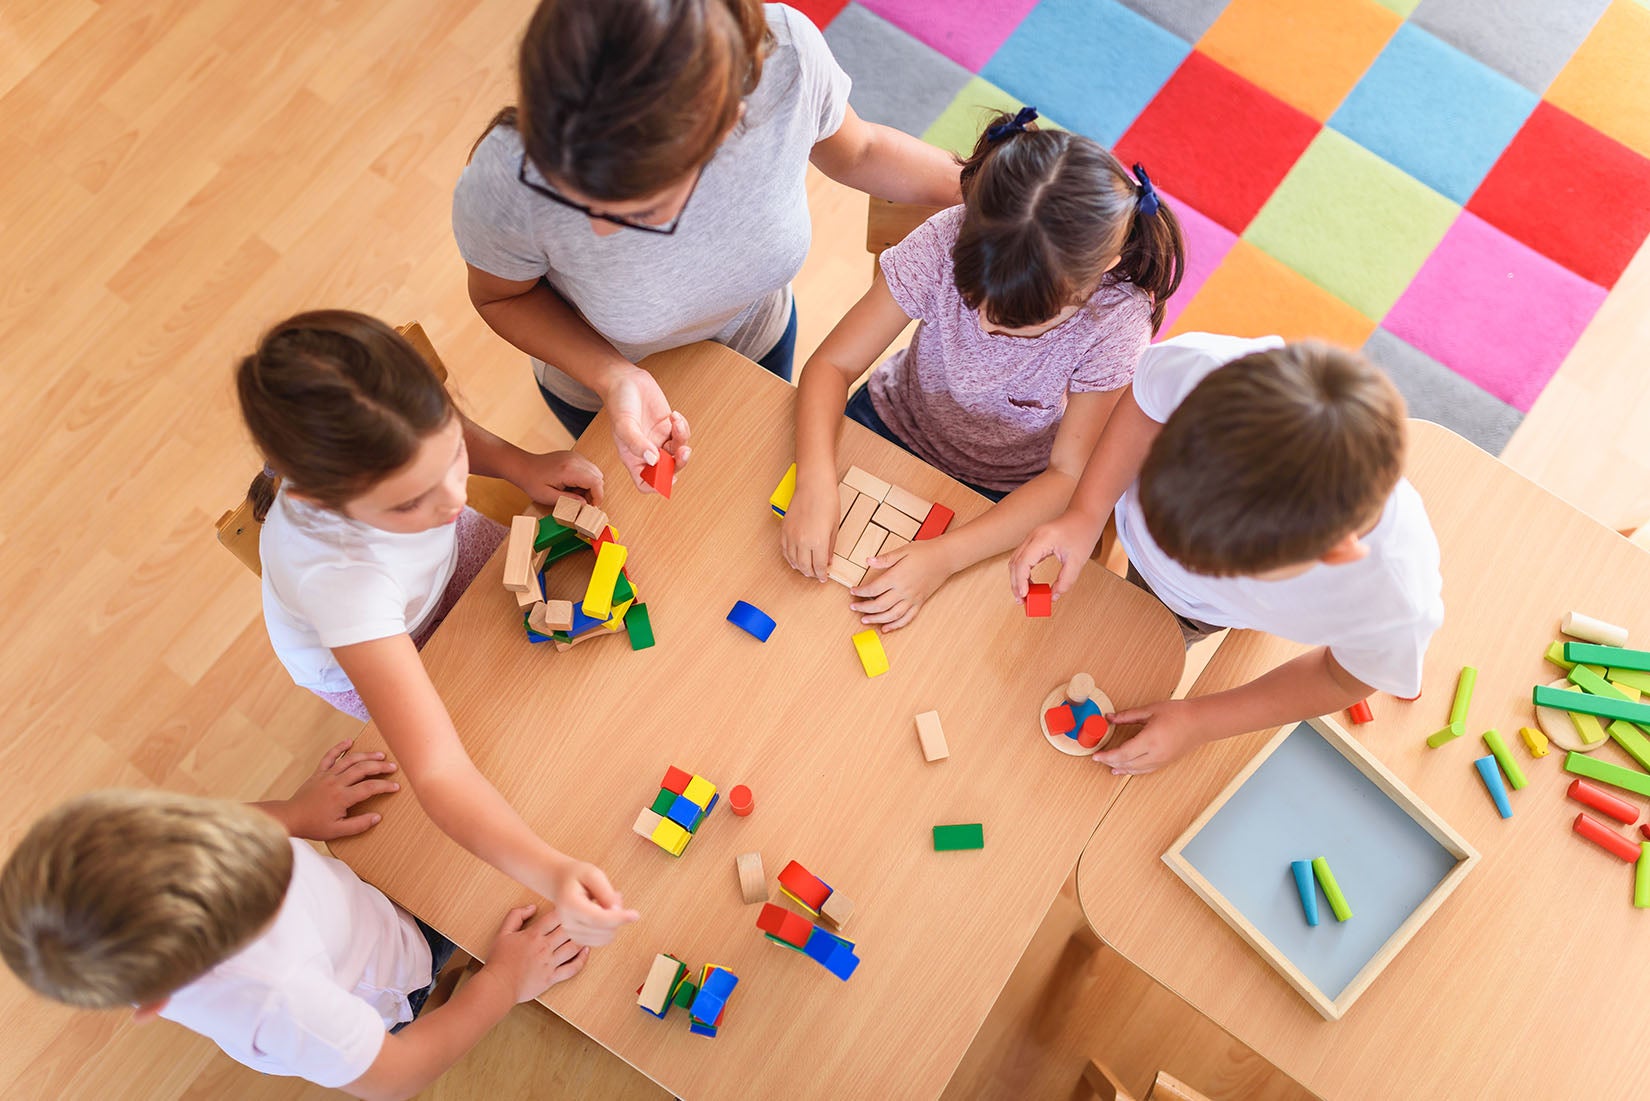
x=1186, y=18
x=1528, y=40
x=1435, y=393
x=898, y=81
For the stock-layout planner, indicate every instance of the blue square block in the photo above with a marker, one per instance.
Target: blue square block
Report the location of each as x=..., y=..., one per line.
x=701, y=1030
x=707, y=1007
x=719, y=984
x=1434, y=112
x=821, y=945
x=1092, y=64
x=685, y=813
x=842, y=963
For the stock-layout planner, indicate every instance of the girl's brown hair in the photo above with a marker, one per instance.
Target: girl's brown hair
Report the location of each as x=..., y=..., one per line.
x=335, y=401
x=1044, y=212
x=622, y=98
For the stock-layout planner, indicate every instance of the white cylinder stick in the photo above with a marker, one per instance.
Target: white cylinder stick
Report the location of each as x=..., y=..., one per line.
x=1585, y=627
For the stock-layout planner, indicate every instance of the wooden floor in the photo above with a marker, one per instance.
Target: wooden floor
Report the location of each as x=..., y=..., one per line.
x=179, y=173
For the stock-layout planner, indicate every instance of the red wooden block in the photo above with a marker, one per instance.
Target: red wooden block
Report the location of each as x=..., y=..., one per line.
x=1094, y=730
x=1360, y=713
x=1603, y=802
x=779, y=922
x=1645, y=829
x=740, y=801
x=1600, y=834
x=939, y=518
x=659, y=475
x=676, y=780
x=1039, y=600
x=806, y=886
x=1059, y=719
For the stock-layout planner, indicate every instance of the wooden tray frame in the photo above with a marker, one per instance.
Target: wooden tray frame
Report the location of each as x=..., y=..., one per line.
x=1395, y=789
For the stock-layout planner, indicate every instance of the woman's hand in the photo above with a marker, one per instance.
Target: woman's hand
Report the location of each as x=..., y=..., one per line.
x=644, y=423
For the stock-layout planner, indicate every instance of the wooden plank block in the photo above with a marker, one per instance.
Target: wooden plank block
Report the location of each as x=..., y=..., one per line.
x=533, y=593
x=892, y=544
x=753, y=884
x=853, y=525
x=908, y=503
x=846, y=495
x=1605, y=772
x=660, y=983
x=870, y=542
x=892, y=519
x=931, y=736
x=844, y=572
x=1602, y=706
x=867, y=483
x=939, y=518
x=518, y=553
x=598, y=595
x=1588, y=653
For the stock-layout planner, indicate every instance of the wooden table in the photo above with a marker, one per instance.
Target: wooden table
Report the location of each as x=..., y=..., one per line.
x=1533, y=980
x=578, y=742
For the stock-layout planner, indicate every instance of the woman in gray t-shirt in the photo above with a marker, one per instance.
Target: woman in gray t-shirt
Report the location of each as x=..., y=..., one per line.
x=649, y=192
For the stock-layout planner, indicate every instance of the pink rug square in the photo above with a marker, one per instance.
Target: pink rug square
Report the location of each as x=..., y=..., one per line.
x=1207, y=243
x=966, y=33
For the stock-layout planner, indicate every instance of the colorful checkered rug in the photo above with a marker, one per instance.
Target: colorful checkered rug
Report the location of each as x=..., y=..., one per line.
x=1452, y=185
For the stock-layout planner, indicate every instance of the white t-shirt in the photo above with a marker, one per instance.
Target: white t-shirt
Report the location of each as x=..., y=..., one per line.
x=1376, y=615
x=313, y=995
x=331, y=581
x=725, y=273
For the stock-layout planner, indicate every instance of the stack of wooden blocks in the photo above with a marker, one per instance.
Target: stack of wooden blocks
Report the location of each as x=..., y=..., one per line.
x=609, y=600
x=681, y=807
x=706, y=1001
x=876, y=518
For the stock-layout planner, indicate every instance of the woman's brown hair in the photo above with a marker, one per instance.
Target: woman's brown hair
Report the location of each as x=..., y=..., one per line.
x=335, y=401
x=619, y=99
x=1044, y=212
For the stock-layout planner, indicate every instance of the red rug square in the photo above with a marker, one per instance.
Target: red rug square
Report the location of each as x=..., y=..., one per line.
x=1217, y=141
x=1570, y=193
x=820, y=11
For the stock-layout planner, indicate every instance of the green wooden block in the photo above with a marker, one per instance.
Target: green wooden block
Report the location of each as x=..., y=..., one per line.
x=1605, y=772
x=1448, y=734
x=1632, y=678
x=969, y=835
x=1515, y=775
x=1613, y=657
x=560, y=551
x=1632, y=741
x=1555, y=654
x=1641, y=877
x=662, y=801
x=783, y=943
x=552, y=533
x=1605, y=707
x=1589, y=681
x=639, y=625
x=623, y=590
x=1463, y=696
x=685, y=993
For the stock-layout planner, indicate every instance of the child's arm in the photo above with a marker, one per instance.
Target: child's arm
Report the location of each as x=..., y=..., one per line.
x=319, y=809
x=527, y=958
x=541, y=477
x=392, y=682
x=1116, y=462
x=1310, y=685
x=911, y=574
x=865, y=331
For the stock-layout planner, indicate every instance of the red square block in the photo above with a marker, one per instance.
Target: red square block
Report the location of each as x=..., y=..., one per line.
x=660, y=474
x=1059, y=719
x=806, y=886
x=938, y=519
x=779, y=922
x=1039, y=600
x=1217, y=142
x=676, y=780
x=1570, y=193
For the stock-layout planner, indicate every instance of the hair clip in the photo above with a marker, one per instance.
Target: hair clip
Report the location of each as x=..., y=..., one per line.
x=1148, y=202
x=1015, y=125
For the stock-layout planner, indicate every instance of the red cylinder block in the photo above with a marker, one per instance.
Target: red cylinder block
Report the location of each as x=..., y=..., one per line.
x=1093, y=732
x=1603, y=802
x=740, y=801
x=1600, y=834
x=1360, y=713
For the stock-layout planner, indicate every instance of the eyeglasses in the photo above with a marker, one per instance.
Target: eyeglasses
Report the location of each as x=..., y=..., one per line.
x=615, y=219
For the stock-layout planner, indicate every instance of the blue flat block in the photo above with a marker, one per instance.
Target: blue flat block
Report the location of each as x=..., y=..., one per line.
x=710, y=806
x=821, y=945
x=752, y=620
x=1308, y=888
x=719, y=984
x=707, y=1007
x=1490, y=773
x=701, y=1030
x=582, y=622
x=842, y=963
x=685, y=813
x=650, y=1013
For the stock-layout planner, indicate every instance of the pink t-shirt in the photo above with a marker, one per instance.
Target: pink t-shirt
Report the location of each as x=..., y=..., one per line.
x=984, y=407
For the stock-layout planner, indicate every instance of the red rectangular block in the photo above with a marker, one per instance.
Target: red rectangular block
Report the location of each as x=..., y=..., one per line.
x=1360, y=713
x=806, y=886
x=939, y=518
x=659, y=475
x=1039, y=600
x=776, y=921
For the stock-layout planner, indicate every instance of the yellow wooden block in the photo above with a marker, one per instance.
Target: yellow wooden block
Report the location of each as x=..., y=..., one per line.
x=1631, y=691
x=875, y=658
x=1534, y=741
x=786, y=489
x=802, y=905
x=598, y=597
x=670, y=837
x=1587, y=727
x=699, y=792
x=617, y=620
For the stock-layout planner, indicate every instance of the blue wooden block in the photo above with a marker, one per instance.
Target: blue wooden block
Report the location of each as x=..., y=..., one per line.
x=1308, y=887
x=720, y=984
x=707, y=1007
x=842, y=963
x=752, y=620
x=685, y=813
x=582, y=622
x=1490, y=773
x=701, y=1029
x=821, y=945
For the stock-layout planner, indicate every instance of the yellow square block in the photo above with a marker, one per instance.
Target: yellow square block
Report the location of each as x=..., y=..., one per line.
x=1308, y=53
x=871, y=653
x=1606, y=83
x=670, y=837
x=699, y=792
x=617, y=619
x=1251, y=294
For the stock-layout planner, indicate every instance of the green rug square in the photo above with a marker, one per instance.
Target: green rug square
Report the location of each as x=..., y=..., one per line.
x=959, y=125
x=1352, y=223
x=1402, y=7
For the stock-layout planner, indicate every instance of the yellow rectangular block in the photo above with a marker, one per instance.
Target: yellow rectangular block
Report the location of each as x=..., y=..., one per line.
x=866, y=483
x=868, y=644
x=598, y=597
x=670, y=837
x=699, y=792
x=616, y=620
x=809, y=910
x=786, y=489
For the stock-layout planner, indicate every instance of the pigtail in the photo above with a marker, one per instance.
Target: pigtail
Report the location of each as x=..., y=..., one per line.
x=997, y=134
x=1154, y=253
x=261, y=493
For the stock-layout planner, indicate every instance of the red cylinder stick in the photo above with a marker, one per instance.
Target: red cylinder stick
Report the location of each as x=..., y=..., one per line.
x=1603, y=802
x=1360, y=713
x=739, y=800
x=1600, y=834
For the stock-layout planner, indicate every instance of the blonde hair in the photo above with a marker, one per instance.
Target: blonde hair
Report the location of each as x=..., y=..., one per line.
x=124, y=897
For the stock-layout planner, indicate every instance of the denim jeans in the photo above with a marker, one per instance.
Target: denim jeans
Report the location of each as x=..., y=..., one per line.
x=441, y=950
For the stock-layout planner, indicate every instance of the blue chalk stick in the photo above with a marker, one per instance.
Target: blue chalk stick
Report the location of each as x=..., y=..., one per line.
x=751, y=619
x=1490, y=773
x=1308, y=887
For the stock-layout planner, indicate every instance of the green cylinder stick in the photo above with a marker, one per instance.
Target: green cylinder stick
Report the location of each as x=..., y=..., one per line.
x=1448, y=734
x=1515, y=775
x=1463, y=696
x=1331, y=889
x=1641, y=877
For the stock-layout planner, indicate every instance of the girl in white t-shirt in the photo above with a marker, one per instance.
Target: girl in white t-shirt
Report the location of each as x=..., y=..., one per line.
x=368, y=543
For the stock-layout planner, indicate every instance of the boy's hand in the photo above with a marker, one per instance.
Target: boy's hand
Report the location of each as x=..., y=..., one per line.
x=643, y=423
x=546, y=477
x=909, y=577
x=590, y=909
x=319, y=809
x=532, y=956
x=807, y=532
x=1172, y=728
x=1070, y=537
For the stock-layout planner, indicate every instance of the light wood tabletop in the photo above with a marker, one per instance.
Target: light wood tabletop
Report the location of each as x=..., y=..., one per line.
x=579, y=741
x=1531, y=980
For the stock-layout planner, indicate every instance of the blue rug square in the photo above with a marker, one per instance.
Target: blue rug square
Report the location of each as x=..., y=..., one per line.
x=1438, y=114
x=1093, y=64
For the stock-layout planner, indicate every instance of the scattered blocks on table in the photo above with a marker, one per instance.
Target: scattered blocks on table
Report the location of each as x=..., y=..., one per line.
x=1490, y=773
x=931, y=736
x=1534, y=741
x=866, y=483
x=740, y=801
x=660, y=985
x=752, y=620
x=640, y=625
x=518, y=553
x=1602, y=801
x=1605, y=772
x=1307, y=886
x=598, y=597
x=1579, y=625
x=871, y=654
x=753, y=883
x=837, y=909
x=803, y=887
x=661, y=473
x=780, y=499
x=1498, y=749
x=1331, y=889
x=1039, y=600
x=1360, y=713
x=959, y=837
x=671, y=837
x=1605, y=837
x=934, y=524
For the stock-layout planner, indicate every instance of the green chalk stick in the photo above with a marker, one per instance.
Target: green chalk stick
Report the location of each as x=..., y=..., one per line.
x=1632, y=741
x=1515, y=775
x=1641, y=878
x=1448, y=734
x=1555, y=654
x=1463, y=696
x=954, y=838
x=1605, y=772
x=1613, y=657
x=1633, y=678
x=1604, y=707
x=1331, y=889
x=1589, y=681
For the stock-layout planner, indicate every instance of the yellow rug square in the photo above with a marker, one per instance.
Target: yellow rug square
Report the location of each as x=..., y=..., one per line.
x=1607, y=82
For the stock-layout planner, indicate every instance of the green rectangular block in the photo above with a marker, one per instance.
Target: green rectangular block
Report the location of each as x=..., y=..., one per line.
x=1515, y=775
x=1632, y=741
x=969, y=835
x=552, y=533
x=783, y=943
x=639, y=625
x=1588, y=681
x=1620, y=776
x=1613, y=657
x=1633, y=678
x=562, y=550
x=1641, y=878
x=684, y=994
x=623, y=590
x=1603, y=706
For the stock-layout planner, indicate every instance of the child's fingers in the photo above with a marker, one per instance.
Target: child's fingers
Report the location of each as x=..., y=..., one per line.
x=361, y=767
x=565, y=951
x=910, y=614
x=572, y=967
x=1130, y=716
x=362, y=790
x=1070, y=567
x=899, y=606
x=332, y=756
x=359, y=823
x=516, y=918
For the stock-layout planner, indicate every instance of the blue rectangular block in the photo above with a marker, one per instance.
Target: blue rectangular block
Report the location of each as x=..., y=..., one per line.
x=582, y=622
x=1307, y=885
x=719, y=984
x=820, y=945
x=842, y=963
x=701, y=1029
x=685, y=813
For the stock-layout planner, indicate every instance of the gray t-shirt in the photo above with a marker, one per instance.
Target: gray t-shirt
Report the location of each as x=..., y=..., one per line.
x=725, y=273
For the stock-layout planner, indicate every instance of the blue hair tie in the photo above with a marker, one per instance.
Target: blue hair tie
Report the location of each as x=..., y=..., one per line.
x=1148, y=202
x=1015, y=125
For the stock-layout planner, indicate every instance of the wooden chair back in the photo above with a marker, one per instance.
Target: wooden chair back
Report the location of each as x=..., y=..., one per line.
x=888, y=222
x=1166, y=1087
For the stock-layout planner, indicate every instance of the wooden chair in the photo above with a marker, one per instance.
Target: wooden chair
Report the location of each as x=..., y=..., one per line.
x=238, y=530
x=1166, y=1087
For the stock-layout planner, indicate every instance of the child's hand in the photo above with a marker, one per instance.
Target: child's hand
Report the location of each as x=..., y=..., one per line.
x=808, y=531
x=545, y=477
x=1070, y=537
x=532, y=956
x=1172, y=728
x=909, y=576
x=319, y=809
x=590, y=909
x=644, y=422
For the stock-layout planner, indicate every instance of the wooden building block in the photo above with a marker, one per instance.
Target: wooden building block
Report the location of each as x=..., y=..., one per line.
x=893, y=543
x=780, y=499
x=1331, y=889
x=809, y=891
x=660, y=984
x=1606, y=772
x=870, y=542
x=753, y=884
x=598, y=595
x=853, y=525
x=871, y=654
x=1632, y=742
x=671, y=837
x=938, y=519
x=740, y=801
x=1603, y=707
x=518, y=553
x=558, y=615
x=892, y=519
x=846, y=495
x=867, y=483
x=844, y=572
x=1359, y=713
x=837, y=909
x=533, y=593
x=1641, y=877
x=1622, y=678
x=541, y=558
x=931, y=736
x=661, y=473
x=1588, y=653
x=908, y=503
x=955, y=838
x=646, y=823
x=676, y=780
x=591, y=520
x=700, y=791
x=1039, y=600
x=639, y=624
x=1602, y=801
x=1578, y=625
x=1605, y=837
x=1307, y=887
x=566, y=512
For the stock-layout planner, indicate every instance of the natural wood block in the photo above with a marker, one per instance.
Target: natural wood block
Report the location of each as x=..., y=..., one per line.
x=908, y=503
x=837, y=909
x=845, y=572
x=533, y=593
x=866, y=482
x=518, y=553
x=854, y=524
x=892, y=519
x=931, y=736
x=567, y=510
x=590, y=522
x=753, y=883
x=558, y=615
x=870, y=542
x=846, y=495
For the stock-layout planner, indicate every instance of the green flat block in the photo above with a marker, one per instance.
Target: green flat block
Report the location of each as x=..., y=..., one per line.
x=639, y=626
x=969, y=835
x=1555, y=654
x=1448, y=734
x=662, y=801
x=1612, y=657
x=1515, y=775
x=685, y=993
x=623, y=591
x=1632, y=678
x=552, y=533
x=1588, y=681
x=560, y=551
x=784, y=943
x=1603, y=706
x=1632, y=741
x=1619, y=776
